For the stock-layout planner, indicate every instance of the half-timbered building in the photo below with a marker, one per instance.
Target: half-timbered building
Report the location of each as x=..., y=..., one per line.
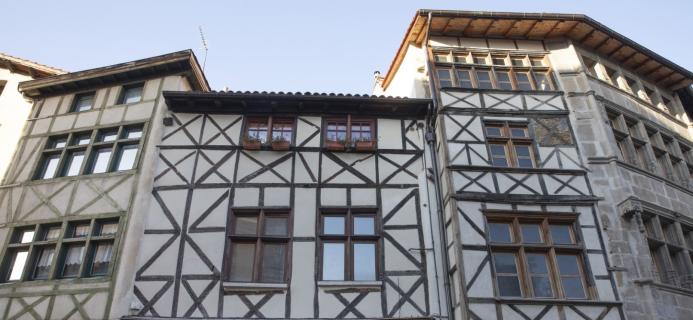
x=563, y=161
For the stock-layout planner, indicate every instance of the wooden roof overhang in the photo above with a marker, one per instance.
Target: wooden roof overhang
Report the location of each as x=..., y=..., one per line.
x=295, y=103
x=181, y=62
x=581, y=29
x=26, y=67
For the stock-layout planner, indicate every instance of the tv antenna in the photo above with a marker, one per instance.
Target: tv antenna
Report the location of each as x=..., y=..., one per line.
x=204, y=46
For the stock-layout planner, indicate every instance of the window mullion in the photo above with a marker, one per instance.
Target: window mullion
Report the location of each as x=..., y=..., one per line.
x=58, y=248
x=85, y=254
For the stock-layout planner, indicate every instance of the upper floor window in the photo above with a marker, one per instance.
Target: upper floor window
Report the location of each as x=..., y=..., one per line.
x=509, y=144
x=536, y=257
x=671, y=250
x=131, y=93
x=493, y=71
x=342, y=132
x=260, y=130
x=86, y=250
x=83, y=102
x=258, y=246
x=349, y=245
x=87, y=152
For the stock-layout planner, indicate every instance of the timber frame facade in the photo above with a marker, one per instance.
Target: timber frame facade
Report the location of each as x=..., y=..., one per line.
x=541, y=167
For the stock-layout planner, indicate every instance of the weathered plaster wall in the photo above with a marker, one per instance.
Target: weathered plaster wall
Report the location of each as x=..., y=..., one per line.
x=14, y=109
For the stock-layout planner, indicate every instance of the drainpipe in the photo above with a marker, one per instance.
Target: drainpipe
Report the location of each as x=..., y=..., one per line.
x=430, y=139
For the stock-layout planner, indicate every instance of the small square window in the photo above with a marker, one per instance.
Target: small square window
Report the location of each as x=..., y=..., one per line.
x=364, y=225
x=131, y=94
x=81, y=139
x=83, y=102
x=333, y=225
x=57, y=142
x=78, y=230
x=561, y=234
x=245, y=225
x=107, y=135
x=25, y=235
x=107, y=228
x=132, y=132
x=73, y=255
x=50, y=232
x=494, y=131
x=500, y=232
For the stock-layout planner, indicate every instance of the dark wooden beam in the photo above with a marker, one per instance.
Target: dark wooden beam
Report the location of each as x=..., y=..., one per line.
x=489, y=26
x=464, y=29
x=665, y=76
x=531, y=28
x=585, y=37
x=512, y=26
x=445, y=28
x=641, y=64
x=553, y=27
x=654, y=70
x=610, y=54
x=571, y=29
x=596, y=48
x=625, y=60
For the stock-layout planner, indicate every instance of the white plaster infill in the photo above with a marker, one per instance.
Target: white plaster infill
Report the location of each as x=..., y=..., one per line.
x=253, y=287
x=342, y=286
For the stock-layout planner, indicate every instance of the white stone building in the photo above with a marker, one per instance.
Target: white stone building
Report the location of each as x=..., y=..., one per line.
x=15, y=108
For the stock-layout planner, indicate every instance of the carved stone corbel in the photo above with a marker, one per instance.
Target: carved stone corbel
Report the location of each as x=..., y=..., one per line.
x=632, y=208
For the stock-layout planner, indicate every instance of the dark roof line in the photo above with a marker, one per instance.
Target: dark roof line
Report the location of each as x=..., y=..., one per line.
x=309, y=94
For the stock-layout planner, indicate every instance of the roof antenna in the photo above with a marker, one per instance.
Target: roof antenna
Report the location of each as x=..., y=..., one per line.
x=204, y=45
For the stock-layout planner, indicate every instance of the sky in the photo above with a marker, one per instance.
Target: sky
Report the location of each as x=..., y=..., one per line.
x=295, y=45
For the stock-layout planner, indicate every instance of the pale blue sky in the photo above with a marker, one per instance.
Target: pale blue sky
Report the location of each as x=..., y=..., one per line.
x=325, y=46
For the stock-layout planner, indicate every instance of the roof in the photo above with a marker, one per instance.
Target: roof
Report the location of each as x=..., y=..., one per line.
x=304, y=103
x=182, y=62
x=30, y=68
x=581, y=29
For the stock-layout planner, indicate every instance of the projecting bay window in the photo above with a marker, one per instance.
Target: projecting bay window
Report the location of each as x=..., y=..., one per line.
x=349, y=245
x=89, y=152
x=495, y=71
x=261, y=130
x=257, y=246
x=75, y=249
x=509, y=144
x=536, y=257
x=671, y=249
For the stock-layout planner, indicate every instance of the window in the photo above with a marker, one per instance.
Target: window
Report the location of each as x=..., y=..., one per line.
x=269, y=128
x=590, y=66
x=86, y=248
x=257, y=246
x=349, y=245
x=509, y=144
x=88, y=152
x=536, y=257
x=497, y=71
x=610, y=75
x=670, y=249
x=349, y=129
x=131, y=93
x=83, y=102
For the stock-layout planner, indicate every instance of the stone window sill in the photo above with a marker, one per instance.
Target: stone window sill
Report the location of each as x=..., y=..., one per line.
x=663, y=286
x=254, y=287
x=350, y=285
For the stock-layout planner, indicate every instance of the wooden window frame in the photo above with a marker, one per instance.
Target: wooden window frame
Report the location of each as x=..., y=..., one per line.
x=60, y=244
x=348, y=119
x=259, y=239
x=547, y=247
x=270, y=120
x=90, y=150
x=349, y=239
x=510, y=142
x=455, y=65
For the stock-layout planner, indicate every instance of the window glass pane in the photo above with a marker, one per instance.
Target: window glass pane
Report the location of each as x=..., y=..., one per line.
x=484, y=79
x=524, y=158
x=517, y=61
x=464, y=79
x=573, y=288
x=273, y=257
x=83, y=102
x=18, y=265
x=543, y=81
x=505, y=262
x=276, y=226
x=43, y=262
x=108, y=228
x=126, y=157
x=442, y=57
x=360, y=131
x=531, y=233
x=336, y=131
x=499, y=232
x=333, y=225
x=568, y=264
x=494, y=131
x=542, y=287
x=333, y=261
x=242, y=260
x=499, y=60
x=523, y=81
x=81, y=139
x=461, y=58
x=364, y=225
x=132, y=94
x=537, y=62
x=50, y=166
x=560, y=234
x=364, y=261
x=79, y=230
x=58, y=143
x=539, y=274
x=282, y=129
x=72, y=260
x=100, y=160
x=498, y=155
x=257, y=129
x=444, y=78
x=509, y=286
x=51, y=233
x=536, y=263
x=26, y=236
x=503, y=79
x=245, y=225
x=102, y=258
x=74, y=163
x=518, y=132
x=479, y=59
x=107, y=136
x=132, y=133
